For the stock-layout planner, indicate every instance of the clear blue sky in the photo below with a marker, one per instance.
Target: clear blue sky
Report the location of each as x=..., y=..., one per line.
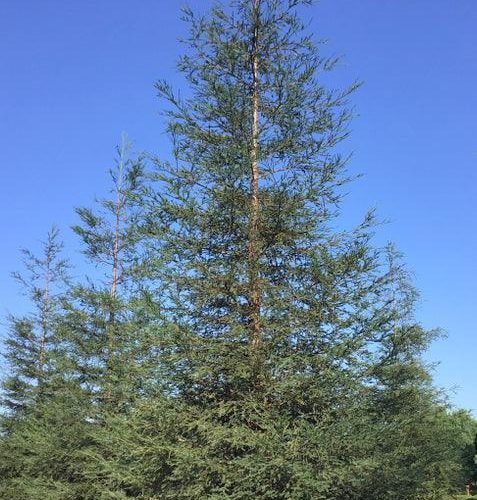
x=75, y=74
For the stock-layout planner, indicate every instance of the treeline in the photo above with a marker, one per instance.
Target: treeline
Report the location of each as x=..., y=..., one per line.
x=230, y=342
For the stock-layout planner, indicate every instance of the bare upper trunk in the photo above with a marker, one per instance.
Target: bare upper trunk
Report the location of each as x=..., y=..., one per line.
x=45, y=312
x=253, y=243
x=110, y=328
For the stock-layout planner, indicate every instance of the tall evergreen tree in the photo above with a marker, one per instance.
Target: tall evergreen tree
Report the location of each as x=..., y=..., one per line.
x=277, y=317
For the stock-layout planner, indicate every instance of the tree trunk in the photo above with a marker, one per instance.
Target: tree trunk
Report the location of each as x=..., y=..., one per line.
x=110, y=328
x=253, y=243
x=44, y=322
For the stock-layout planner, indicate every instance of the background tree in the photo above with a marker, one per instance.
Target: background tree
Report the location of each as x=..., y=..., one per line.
x=108, y=323
x=99, y=311
x=31, y=342
x=97, y=358
x=37, y=398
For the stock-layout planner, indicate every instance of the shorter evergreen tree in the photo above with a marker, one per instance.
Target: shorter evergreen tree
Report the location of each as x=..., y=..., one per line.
x=99, y=310
x=39, y=401
x=107, y=323
x=30, y=346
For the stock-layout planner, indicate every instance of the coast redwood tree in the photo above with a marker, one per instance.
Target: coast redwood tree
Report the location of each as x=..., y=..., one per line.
x=278, y=317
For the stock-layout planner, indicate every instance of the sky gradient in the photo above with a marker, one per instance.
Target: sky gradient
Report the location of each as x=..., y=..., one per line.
x=74, y=75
